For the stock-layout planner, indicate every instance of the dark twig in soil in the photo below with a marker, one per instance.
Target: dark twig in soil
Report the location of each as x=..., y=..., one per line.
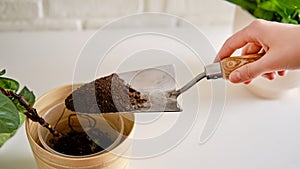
x=31, y=112
x=81, y=140
x=60, y=117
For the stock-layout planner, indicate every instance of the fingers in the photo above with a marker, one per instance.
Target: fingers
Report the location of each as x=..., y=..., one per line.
x=240, y=39
x=250, y=71
x=243, y=75
x=251, y=48
x=247, y=82
x=262, y=37
x=281, y=72
x=270, y=75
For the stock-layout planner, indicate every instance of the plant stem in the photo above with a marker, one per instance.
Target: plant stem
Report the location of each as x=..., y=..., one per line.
x=31, y=112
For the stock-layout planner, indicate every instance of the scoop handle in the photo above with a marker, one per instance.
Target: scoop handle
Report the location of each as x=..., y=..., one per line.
x=229, y=64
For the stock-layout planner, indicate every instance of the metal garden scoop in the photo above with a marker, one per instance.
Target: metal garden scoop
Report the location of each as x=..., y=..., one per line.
x=147, y=90
x=157, y=84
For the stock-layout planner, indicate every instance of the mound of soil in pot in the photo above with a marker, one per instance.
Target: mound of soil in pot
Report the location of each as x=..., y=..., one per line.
x=105, y=95
x=78, y=143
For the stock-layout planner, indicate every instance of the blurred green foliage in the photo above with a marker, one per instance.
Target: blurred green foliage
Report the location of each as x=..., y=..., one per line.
x=284, y=11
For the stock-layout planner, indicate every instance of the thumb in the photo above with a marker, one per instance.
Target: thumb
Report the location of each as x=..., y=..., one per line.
x=246, y=72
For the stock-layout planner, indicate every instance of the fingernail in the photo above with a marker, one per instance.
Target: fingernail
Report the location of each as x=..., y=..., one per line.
x=235, y=77
x=247, y=82
x=270, y=76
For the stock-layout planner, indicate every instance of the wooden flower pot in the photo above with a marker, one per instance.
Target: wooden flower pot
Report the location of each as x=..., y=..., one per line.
x=116, y=157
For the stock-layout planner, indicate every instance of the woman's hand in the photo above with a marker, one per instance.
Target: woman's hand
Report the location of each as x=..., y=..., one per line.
x=280, y=43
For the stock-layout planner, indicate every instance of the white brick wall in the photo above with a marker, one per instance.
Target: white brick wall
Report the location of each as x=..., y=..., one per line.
x=89, y=8
x=19, y=9
x=18, y=15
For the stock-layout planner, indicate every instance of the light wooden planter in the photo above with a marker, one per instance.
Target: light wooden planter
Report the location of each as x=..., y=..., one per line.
x=268, y=89
x=114, y=159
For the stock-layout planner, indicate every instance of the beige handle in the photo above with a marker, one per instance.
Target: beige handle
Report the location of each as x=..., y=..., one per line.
x=229, y=64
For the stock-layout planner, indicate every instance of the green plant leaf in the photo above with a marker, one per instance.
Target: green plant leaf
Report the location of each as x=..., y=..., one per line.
x=9, y=84
x=249, y=5
x=269, y=5
x=2, y=72
x=289, y=20
x=5, y=136
x=290, y=4
x=263, y=14
x=9, y=115
x=22, y=119
x=27, y=95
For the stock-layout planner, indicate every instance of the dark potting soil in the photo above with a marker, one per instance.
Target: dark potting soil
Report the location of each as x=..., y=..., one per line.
x=105, y=95
x=79, y=143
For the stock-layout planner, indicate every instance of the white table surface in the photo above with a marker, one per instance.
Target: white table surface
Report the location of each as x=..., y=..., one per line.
x=254, y=133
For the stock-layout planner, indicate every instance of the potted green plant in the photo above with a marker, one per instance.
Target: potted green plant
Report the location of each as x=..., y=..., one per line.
x=13, y=106
x=16, y=105
x=283, y=11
